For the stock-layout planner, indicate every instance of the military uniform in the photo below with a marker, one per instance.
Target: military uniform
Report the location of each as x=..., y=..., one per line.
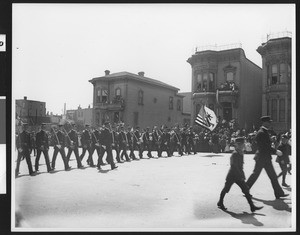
x=137, y=142
x=176, y=143
x=96, y=145
x=147, y=142
x=284, y=160
x=115, y=144
x=107, y=140
x=123, y=143
x=86, y=147
x=42, y=144
x=23, y=145
x=130, y=145
x=73, y=147
x=59, y=147
x=190, y=142
x=164, y=144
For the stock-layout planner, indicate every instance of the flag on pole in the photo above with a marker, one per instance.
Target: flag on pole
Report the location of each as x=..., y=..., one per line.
x=206, y=118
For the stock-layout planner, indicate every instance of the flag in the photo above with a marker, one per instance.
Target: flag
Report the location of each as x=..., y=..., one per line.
x=206, y=118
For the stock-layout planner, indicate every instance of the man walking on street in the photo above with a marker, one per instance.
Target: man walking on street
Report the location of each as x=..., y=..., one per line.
x=263, y=158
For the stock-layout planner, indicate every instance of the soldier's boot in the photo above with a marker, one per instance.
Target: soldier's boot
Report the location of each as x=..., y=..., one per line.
x=220, y=202
x=252, y=206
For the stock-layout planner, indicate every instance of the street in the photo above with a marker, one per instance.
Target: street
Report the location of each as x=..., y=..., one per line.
x=165, y=194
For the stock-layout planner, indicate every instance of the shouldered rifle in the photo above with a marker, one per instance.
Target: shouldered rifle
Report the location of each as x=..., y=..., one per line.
x=71, y=141
x=58, y=143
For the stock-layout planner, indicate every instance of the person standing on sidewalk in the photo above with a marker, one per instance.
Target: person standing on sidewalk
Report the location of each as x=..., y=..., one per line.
x=236, y=175
x=263, y=158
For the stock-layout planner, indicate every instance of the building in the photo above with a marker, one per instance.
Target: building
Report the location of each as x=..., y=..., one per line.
x=80, y=116
x=135, y=100
x=227, y=82
x=276, y=82
x=31, y=111
x=186, y=106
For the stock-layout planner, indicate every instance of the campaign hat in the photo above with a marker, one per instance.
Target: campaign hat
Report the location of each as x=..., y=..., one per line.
x=266, y=119
x=240, y=140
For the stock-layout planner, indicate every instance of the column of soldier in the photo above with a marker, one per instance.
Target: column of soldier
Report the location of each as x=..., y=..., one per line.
x=123, y=140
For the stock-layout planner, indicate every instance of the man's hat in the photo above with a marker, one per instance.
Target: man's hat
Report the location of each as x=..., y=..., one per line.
x=266, y=119
x=43, y=124
x=60, y=124
x=24, y=124
x=87, y=125
x=240, y=140
x=106, y=123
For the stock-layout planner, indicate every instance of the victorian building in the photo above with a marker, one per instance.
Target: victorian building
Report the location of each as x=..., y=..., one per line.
x=276, y=80
x=135, y=100
x=228, y=83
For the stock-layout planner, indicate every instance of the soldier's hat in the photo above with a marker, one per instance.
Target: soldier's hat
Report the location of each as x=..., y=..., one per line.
x=87, y=125
x=73, y=124
x=266, y=119
x=240, y=140
x=24, y=124
x=60, y=124
x=43, y=124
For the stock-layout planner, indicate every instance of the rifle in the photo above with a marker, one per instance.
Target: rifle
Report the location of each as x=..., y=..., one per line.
x=58, y=143
x=71, y=141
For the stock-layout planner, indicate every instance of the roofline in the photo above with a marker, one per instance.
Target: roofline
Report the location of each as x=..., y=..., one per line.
x=133, y=77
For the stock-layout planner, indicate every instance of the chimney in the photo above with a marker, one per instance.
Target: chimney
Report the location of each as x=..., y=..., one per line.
x=106, y=72
x=25, y=97
x=141, y=74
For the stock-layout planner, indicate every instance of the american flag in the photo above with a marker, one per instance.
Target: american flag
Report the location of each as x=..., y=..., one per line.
x=206, y=118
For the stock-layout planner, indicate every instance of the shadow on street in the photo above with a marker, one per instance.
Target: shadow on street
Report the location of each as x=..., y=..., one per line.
x=246, y=218
x=212, y=155
x=277, y=204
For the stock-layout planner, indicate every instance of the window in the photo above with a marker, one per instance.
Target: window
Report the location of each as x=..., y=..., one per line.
x=282, y=110
x=118, y=93
x=141, y=97
x=211, y=83
x=268, y=76
x=274, y=110
x=179, y=105
x=274, y=74
x=104, y=94
x=98, y=118
x=282, y=75
x=170, y=102
x=229, y=76
x=116, y=117
x=98, y=97
x=205, y=78
x=199, y=82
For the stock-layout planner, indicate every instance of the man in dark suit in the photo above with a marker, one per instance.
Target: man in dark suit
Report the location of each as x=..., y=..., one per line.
x=107, y=140
x=263, y=158
x=42, y=144
x=96, y=145
x=123, y=145
x=130, y=143
x=59, y=140
x=137, y=144
x=236, y=175
x=73, y=145
x=86, y=145
x=23, y=145
x=156, y=139
x=147, y=142
x=165, y=143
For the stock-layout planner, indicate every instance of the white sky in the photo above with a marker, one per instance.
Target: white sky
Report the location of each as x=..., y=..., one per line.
x=57, y=48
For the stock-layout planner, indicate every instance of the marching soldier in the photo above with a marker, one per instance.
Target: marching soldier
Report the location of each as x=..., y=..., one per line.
x=236, y=175
x=156, y=139
x=176, y=141
x=42, y=144
x=86, y=145
x=184, y=140
x=101, y=148
x=96, y=145
x=107, y=141
x=115, y=144
x=123, y=143
x=32, y=140
x=190, y=140
x=165, y=143
x=147, y=142
x=263, y=158
x=137, y=144
x=23, y=145
x=59, y=140
x=130, y=144
x=73, y=145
